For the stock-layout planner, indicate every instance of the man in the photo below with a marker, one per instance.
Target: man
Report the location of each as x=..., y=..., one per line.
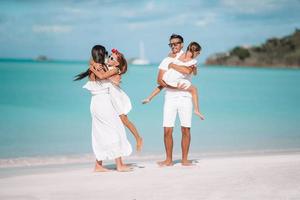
x=176, y=100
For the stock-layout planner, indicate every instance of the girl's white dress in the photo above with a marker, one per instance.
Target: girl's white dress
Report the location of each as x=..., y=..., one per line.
x=173, y=77
x=120, y=99
x=109, y=139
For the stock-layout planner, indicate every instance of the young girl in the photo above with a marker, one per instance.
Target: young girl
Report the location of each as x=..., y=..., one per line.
x=174, y=78
x=120, y=99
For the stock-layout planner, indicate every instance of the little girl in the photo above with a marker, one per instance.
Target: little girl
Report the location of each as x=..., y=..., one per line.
x=175, y=78
x=120, y=100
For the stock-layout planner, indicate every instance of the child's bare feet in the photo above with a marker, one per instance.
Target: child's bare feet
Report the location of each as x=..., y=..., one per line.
x=146, y=101
x=199, y=114
x=139, y=144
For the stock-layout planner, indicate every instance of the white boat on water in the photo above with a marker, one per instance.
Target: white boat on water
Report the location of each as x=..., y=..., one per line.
x=141, y=60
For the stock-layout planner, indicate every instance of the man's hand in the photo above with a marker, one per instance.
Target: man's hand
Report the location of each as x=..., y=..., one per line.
x=171, y=65
x=181, y=86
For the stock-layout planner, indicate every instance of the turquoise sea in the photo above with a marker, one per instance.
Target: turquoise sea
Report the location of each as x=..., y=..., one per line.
x=44, y=113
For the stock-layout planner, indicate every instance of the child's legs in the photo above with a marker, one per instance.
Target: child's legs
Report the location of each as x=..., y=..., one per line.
x=194, y=92
x=130, y=126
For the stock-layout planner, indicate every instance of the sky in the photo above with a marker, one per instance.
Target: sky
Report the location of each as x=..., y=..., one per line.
x=68, y=29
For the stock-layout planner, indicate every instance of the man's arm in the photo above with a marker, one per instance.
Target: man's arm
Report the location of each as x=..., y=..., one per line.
x=182, y=69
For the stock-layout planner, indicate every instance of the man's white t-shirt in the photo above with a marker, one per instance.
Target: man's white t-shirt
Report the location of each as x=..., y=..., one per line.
x=171, y=93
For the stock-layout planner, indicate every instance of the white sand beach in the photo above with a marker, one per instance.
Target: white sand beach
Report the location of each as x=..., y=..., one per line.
x=236, y=177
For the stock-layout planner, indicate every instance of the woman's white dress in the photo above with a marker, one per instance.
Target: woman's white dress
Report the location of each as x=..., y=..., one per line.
x=173, y=77
x=109, y=139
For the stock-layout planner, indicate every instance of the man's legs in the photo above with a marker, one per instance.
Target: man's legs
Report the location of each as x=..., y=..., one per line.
x=168, y=140
x=170, y=111
x=185, y=145
x=185, y=116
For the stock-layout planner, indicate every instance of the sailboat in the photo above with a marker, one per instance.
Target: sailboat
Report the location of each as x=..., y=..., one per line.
x=141, y=60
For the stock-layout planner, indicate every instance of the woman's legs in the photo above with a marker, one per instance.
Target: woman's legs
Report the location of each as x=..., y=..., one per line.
x=133, y=130
x=193, y=90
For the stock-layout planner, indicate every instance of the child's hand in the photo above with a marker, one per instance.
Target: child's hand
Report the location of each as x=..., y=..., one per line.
x=116, y=79
x=172, y=55
x=195, y=70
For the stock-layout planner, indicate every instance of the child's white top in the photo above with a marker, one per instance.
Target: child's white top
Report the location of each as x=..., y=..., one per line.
x=173, y=77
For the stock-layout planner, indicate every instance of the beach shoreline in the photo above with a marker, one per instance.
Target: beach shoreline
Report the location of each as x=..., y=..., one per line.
x=261, y=176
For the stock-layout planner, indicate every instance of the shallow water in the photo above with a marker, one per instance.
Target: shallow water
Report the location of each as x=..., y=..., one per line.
x=43, y=112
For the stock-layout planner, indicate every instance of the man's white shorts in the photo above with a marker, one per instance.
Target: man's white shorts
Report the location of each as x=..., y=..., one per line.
x=181, y=104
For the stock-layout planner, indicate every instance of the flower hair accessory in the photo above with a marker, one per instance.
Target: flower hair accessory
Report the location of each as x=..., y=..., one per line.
x=115, y=51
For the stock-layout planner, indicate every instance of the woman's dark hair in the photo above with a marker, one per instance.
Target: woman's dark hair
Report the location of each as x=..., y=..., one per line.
x=175, y=36
x=193, y=47
x=98, y=54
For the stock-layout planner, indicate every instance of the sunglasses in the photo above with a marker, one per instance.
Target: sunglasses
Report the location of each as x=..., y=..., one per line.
x=110, y=57
x=174, y=44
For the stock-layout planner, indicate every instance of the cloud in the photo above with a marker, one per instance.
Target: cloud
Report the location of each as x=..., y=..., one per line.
x=206, y=20
x=253, y=6
x=51, y=29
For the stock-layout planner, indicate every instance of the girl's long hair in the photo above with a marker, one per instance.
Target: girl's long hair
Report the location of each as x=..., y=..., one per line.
x=98, y=54
x=122, y=62
x=194, y=47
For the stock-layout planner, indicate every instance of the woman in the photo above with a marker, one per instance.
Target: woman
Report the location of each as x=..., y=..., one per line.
x=120, y=99
x=108, y=133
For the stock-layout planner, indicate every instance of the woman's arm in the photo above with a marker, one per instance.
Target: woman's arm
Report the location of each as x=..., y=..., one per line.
x=182, y=69
x=104, y=75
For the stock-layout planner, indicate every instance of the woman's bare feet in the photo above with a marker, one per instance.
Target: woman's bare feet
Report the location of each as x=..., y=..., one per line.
x=100, y=168
x=139, y=144
x=124, y=168
x=199, y=114
x=146, y=101
x=165, y=163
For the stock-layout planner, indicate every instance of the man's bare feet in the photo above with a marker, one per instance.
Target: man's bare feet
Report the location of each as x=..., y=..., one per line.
x=146, y=101
x=165, y=163
x=124, y=168
x=186, y=163
x=139, y=144
x=199, y=114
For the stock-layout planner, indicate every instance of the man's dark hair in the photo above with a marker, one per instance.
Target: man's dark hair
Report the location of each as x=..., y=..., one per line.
x=174, y=36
